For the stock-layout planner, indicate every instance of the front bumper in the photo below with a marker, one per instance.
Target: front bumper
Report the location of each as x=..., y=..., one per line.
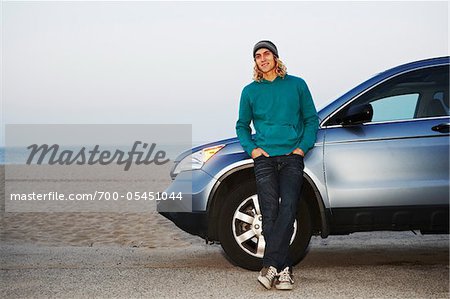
x=194, y=223
x=194, y=219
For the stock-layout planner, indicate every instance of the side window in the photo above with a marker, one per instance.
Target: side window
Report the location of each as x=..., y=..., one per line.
x=417, y=94
x=438, y=105
x=395, y=107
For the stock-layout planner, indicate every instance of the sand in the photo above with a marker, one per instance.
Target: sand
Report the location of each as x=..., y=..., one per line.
x=90, y=229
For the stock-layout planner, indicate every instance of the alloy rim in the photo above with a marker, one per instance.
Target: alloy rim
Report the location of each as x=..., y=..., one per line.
x=247, y=227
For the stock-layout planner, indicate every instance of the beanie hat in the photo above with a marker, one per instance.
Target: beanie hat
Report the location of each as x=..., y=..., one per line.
x=265, y=44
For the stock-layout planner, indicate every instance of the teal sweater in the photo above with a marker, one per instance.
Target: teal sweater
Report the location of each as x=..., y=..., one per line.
x=283, y=115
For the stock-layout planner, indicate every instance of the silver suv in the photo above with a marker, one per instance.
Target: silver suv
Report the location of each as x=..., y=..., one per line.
x=380, y=162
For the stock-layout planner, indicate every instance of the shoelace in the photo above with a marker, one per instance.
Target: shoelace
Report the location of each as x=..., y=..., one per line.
x=285, y=275
x=271, y=273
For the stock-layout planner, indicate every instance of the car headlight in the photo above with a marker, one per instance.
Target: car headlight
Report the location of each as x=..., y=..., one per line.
x=197, y=159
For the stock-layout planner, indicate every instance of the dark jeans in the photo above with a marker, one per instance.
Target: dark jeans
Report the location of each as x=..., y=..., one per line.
x=278, y=184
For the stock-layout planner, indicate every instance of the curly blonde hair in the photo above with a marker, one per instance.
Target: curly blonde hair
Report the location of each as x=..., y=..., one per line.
x=281, y=70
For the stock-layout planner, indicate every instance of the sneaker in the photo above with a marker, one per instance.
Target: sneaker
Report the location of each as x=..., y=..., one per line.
x=285, y=280
x=267, y=276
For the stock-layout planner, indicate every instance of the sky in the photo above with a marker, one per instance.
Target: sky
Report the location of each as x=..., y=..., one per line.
x=187, y=62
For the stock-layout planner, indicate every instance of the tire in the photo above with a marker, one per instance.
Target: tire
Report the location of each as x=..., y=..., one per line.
x=238, y=223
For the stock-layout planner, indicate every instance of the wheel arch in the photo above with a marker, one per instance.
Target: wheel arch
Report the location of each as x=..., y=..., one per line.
x=245, y=172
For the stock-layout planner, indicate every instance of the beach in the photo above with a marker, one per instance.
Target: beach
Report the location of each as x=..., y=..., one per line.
x=132, y=229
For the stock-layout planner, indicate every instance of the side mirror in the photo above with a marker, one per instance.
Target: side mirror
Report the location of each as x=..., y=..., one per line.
x=358, y=114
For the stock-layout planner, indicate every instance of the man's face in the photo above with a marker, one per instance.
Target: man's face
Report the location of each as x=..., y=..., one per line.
x=265, y=60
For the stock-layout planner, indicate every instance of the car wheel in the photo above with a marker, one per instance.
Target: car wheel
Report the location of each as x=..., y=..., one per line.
x=240, y=229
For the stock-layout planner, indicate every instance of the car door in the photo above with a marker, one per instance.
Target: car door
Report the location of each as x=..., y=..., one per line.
x=394, y=168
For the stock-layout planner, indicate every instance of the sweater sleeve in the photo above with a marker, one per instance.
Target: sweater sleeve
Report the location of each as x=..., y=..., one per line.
x=309, y=118
x=243, y=130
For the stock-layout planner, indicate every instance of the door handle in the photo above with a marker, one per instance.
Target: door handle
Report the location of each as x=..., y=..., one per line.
x=442, y=128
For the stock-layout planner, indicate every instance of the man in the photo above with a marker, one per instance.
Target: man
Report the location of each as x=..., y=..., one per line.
x=286, y=123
